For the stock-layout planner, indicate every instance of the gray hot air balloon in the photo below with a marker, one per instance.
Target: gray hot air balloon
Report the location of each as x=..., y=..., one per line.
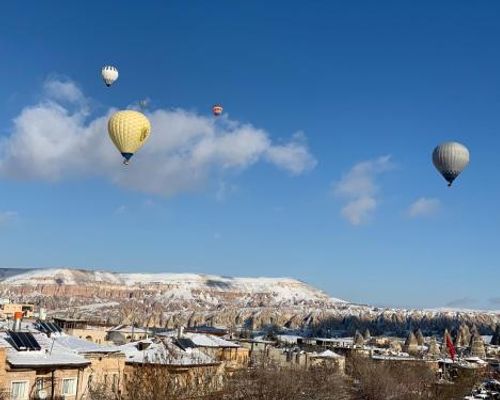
x=450, y=159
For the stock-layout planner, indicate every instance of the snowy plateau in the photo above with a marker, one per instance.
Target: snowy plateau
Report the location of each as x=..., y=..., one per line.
x=169, y=299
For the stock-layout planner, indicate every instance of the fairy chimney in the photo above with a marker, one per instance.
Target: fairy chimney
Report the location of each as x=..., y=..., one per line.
x=495, y=340
x=420, y=337
x=396, y=347
x=411, y=344
x=434, y=350
x=367, y=335
x=358, y=339
x=477, y=346
x=463, y=336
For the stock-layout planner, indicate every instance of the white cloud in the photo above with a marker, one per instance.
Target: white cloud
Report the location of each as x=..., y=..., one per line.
x=121, y=210
x=357, y=211
x=224, y=190
x=359, y=188
x=65, y=91
x=424, y=207
x=54, y=140
x=7, y=216
x=293, y=156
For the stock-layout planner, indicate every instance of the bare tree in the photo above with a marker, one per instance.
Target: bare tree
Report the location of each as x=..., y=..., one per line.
x=267, y=381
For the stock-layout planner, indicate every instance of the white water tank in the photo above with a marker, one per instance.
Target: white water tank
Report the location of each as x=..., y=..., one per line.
x=42, y=314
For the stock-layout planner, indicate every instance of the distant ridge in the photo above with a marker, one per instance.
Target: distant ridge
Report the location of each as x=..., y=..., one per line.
x=168, y=300
x=283, y=290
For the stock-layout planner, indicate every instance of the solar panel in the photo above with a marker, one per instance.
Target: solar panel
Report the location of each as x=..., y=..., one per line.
x=48, y=327
x=24, y=341
x=184, y=343
x=31, y=340
x=55, y=328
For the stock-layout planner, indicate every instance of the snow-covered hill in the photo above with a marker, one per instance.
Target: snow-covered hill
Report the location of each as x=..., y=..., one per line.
x=170, y=300
x=172, y=285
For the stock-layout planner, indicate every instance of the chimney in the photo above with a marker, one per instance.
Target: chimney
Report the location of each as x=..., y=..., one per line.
x=180, y=332
x=42, y=314
x=18, y=317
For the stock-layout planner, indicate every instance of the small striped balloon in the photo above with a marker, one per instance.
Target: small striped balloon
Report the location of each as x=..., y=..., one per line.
x=450, y=159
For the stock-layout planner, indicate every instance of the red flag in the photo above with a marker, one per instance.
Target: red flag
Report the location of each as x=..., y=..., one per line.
x=451, y=348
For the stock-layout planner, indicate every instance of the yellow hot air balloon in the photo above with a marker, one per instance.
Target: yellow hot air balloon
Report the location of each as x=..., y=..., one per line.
x=128, y=130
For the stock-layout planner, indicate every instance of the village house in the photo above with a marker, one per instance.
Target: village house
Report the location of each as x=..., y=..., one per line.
x=122, y=334
x=232, y=354
x=107, y=363
x=31, y=367
x=181, y=359
x=81, y=329
x=328, y=358
x=8, y=309
x=41, y=361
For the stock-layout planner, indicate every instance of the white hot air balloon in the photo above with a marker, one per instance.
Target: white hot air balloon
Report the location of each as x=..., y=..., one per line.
x=109, y=74
x=450, y=159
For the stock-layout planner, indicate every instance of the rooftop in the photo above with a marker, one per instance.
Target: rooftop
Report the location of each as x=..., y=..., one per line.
x=165, y=352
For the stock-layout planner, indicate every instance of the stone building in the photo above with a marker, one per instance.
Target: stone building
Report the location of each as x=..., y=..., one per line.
x=329, y=358
x=37, y=371
x=8, y=309
x=187, y=365
x=230, y=353
x=107, y=363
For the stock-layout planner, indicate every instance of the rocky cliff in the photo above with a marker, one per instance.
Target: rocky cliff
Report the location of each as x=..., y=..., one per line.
x=167, y=300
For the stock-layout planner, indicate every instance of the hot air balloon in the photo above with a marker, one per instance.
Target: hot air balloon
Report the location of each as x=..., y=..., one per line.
x=129, y=131
x=217, y=109
x=450, y=159
x=109, y=74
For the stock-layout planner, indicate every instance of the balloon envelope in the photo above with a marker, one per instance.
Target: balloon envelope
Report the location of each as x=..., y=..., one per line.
x=109, y=74
x=128, y=130
x=217, y=109
x=450, y=159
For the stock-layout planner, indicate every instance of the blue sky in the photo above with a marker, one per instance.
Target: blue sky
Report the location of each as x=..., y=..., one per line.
x=320, y=170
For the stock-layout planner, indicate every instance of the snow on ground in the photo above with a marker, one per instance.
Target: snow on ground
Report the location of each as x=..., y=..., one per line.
x=60, y=276
x=96, y=306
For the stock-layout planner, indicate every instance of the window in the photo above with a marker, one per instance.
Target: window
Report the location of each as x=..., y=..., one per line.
x=69, y=386
x=39, y=384
x=114, y=385
x=19, y=390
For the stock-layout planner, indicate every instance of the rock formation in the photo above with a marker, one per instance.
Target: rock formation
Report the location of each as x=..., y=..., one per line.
x=420, y=337
x=477, y=346
x=411, y=344
x=170, y=300
x=434, y=350
x=358, y=339
x=495, y=339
